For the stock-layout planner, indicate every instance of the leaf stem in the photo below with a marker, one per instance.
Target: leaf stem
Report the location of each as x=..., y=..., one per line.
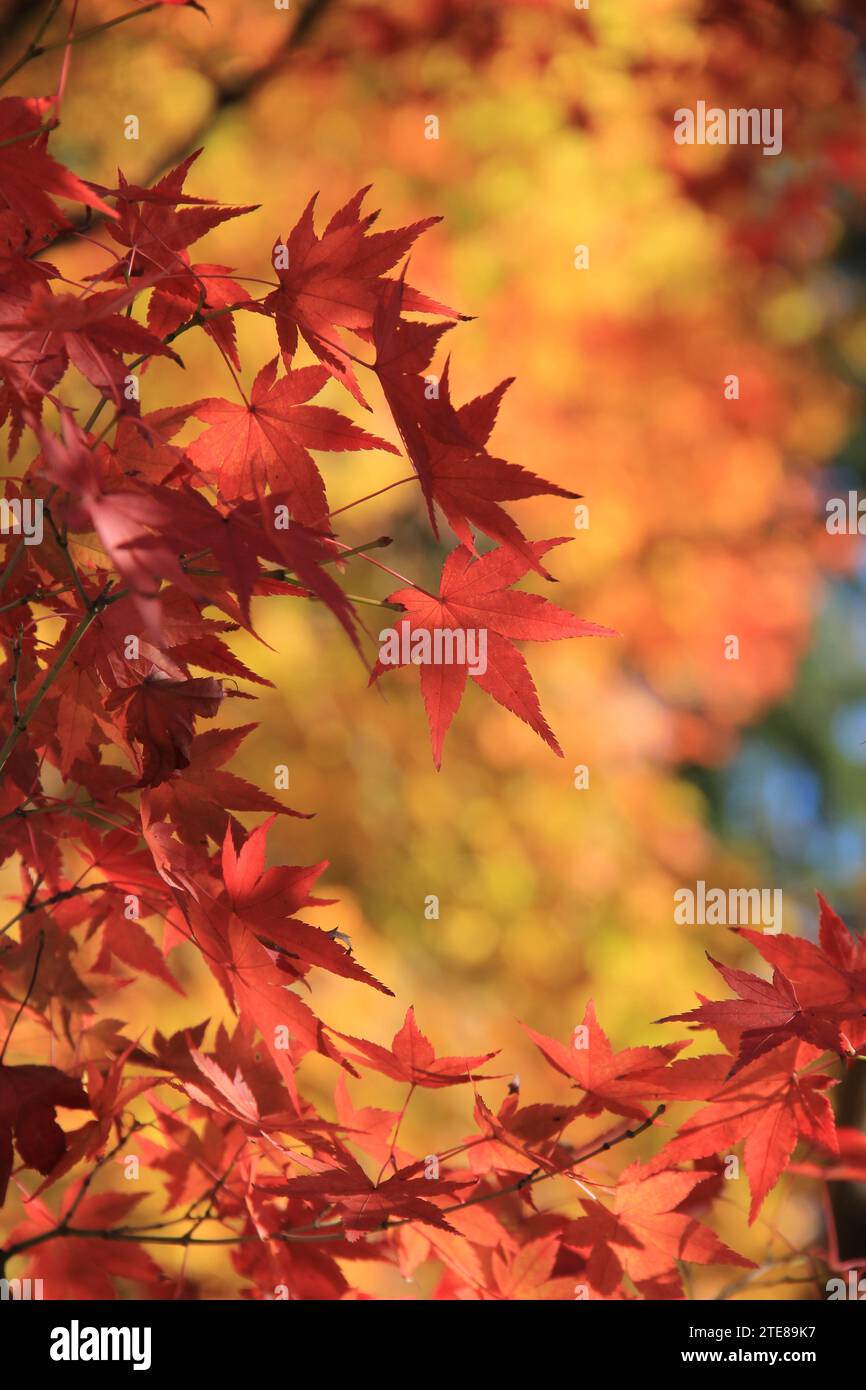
x=51, y=675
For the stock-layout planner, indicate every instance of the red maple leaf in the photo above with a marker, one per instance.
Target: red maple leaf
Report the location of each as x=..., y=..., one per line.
x=335, y=281
x=93, y=333
x=268, y=899
x=29, y=1096
x=198, y=800
x=527, y=1273
x=643, y=1235
x=767, y=1104
x=830, y=975
x=766, y=1014
x=446, y=445
x=267, y=443
x=158, y=715
x=87, y=1266
x=30, y=178
x=614, y=1081
x=364, y=1204
x=157, y=225
x=473, y=600
x=411, y=1058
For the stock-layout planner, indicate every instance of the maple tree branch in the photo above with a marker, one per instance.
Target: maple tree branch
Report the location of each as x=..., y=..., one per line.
x=63, y=543
x=36, y=49
x=530, y=1179
x=63, y=1228
x=20, y=724
x=31, y=905
x=196, y=320
x=35, y=596
x=210, y=1196
x=23, y=1005
x=11, y=565
x=13, y=683
x=32, y=50
x=337, y=1231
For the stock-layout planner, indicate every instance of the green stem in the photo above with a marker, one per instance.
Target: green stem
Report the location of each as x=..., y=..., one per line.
x=69, y=646
x=198, y=320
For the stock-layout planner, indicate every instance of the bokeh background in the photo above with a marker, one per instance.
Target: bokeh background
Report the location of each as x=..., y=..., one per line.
x=706, y=515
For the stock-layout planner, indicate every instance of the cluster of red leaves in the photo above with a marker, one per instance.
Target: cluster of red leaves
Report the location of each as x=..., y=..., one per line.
x=144, y=540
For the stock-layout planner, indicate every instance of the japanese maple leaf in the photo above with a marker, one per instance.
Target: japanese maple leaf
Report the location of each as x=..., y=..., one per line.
x=513, y=1137
x=127, y=940
x=29, y=1096
x=231, y=1080
x=831, y=973
x=614, y=1081
x=364, y=1204
x=769, y=1106
x=142, y=451
x=198, y=800
x=108, y=1095
x=766, y=1014
x=87, y=1266
x=268, y=898
x=335, y=281
x=411, y=1058
x=472, y=599
x=172, y=859
x=205, y=290
x=261, y=997
x=369, y=1129
x=237, y=535
x=445, y=444
x=94, y=334
x=28, y=371
x=158, y=715
x=30, y=178
x=267, y=442
x=233, y=1095
x=127, y=522
x=156, y=225
x=256, y=892
x=840, y=946
x=311, y=1273
x=643, y=1235
x=527, y=1273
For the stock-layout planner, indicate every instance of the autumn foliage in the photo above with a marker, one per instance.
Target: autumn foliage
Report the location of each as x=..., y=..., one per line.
x=121, y=808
